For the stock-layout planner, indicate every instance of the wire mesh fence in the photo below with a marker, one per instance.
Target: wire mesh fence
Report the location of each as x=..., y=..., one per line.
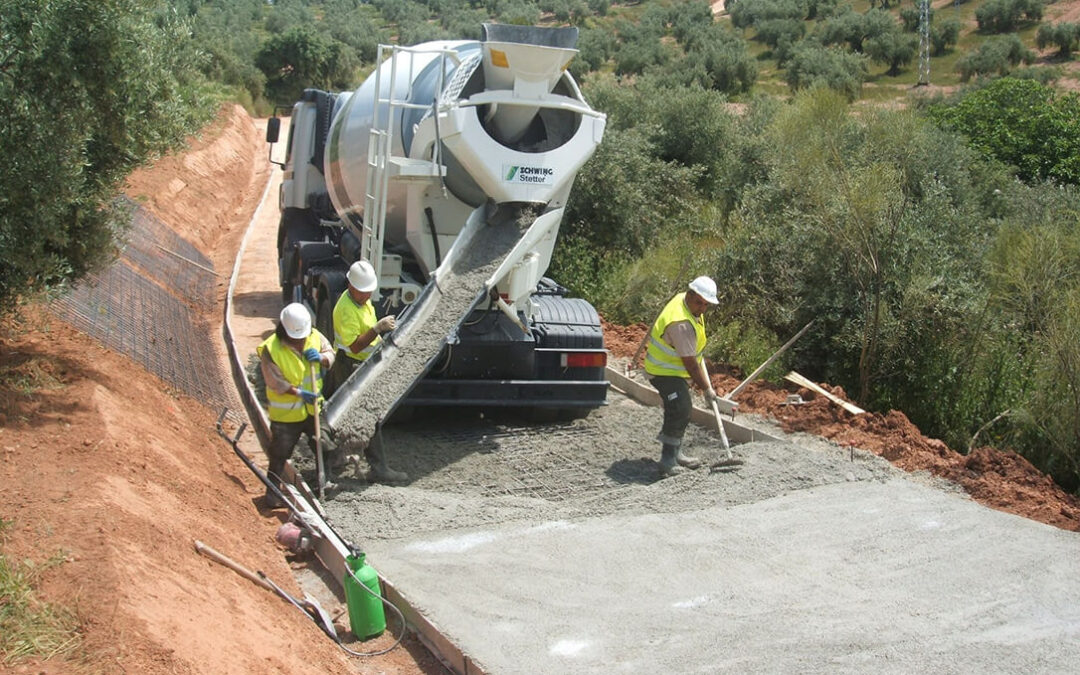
x=151, y=305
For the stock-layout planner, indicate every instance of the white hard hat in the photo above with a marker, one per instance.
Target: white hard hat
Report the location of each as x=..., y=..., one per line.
x=296, y=320
x=362, y=276
x=706, y=288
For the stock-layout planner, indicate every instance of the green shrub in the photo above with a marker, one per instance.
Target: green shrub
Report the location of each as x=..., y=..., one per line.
x=1065, y=36
x=813, y=65
x=998, y=55
x=89, y=90
x=1023, y=123
x=1002, y=16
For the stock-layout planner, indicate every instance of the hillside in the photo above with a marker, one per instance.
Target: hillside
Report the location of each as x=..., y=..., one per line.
x=944, y=75
x=110, y=474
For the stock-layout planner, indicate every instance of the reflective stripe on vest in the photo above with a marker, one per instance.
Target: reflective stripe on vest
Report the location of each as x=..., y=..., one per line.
x=295, y=369
x=660, y=357
x=347, y=309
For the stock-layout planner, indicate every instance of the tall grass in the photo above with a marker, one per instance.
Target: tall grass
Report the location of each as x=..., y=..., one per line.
x=29, y=626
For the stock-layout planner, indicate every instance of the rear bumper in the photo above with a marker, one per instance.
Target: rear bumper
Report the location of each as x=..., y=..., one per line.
x=536, y=393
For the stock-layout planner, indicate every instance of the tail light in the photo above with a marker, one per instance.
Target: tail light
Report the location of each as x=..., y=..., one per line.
x=584, y=360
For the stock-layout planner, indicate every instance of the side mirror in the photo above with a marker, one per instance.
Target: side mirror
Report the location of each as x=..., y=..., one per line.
x=273, y=129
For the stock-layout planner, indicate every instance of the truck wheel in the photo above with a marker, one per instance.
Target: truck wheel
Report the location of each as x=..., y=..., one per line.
x=324, y=317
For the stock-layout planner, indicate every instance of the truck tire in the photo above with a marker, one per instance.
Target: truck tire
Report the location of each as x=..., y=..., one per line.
x=324, y=317
x=295, y=226
x=329, y=283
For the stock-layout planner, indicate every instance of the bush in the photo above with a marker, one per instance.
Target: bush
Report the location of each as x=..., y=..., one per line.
x=1002, y=16
x=943, y=36
x=1023, y=123
x=720, y=60
x=996, y=56
x=300, y=58
x=892, y=48
x=854, y=29
x=89, y=90
x=1065, y=36
x=814, y=65
x=909, y=18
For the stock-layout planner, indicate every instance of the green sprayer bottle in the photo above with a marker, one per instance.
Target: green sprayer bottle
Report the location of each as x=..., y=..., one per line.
x=366, y=617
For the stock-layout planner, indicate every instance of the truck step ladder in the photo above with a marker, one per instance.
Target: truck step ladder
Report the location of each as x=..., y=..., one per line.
x=382, y=165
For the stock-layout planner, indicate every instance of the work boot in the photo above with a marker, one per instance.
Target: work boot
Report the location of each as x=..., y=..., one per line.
x=669, y=466
x=380, y=470
x=686, y=460
x=272, y=501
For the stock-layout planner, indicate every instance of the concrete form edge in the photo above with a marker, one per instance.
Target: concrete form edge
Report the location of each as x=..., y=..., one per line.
x=330, y=548
x=643, y=393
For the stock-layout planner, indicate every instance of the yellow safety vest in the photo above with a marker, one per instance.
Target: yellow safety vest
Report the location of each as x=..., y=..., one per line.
x=297, y=371
x=351, y=319
x=660, y=357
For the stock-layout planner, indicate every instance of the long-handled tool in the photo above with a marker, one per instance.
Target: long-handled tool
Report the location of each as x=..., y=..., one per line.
x=318, y=440
x=271, y=486
x=730, y=461
x=309, y=606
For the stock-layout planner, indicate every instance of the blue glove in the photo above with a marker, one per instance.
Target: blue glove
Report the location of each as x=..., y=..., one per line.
x=308, y=396
x=312, y=354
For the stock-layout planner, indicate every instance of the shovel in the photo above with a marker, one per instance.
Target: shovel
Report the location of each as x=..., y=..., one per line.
x=318, y=441
x=729, y=462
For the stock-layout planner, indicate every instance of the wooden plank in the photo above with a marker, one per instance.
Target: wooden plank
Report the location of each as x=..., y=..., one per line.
x=646, y=394
x=753, y=376
x=798, y=379
x=642, y=393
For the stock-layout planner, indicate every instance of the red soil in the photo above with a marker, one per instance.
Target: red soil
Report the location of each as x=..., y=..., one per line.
x=105, y=464
x=1000, y=479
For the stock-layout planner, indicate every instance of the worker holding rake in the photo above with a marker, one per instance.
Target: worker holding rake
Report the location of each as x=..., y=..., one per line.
x=673, y=359
x=293, y=385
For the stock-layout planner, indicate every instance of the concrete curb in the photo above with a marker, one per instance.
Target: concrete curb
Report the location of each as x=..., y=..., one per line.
x=330, y=548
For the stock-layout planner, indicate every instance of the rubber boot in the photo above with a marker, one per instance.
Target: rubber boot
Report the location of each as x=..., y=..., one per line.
x=271, y=500
x=380, y=470
x=669, y=466
x=686, y=460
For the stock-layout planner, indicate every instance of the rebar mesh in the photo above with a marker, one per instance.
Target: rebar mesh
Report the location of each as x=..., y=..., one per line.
x=149, y=304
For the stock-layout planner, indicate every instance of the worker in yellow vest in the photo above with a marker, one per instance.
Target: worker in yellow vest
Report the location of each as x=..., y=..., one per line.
x=673, y=359
x=285, y=359
x=357, y=334
x=357, y=331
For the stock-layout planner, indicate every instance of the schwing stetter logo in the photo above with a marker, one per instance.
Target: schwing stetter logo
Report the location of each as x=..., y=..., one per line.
x=531, y=175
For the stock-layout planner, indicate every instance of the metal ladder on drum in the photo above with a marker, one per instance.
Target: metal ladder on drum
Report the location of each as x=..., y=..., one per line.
x=382, y=165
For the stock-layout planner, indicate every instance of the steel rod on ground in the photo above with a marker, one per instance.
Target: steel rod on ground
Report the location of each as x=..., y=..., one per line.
x=742, y=385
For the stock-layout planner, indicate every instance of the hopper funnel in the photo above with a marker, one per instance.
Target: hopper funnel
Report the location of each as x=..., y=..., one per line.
x=528, y=61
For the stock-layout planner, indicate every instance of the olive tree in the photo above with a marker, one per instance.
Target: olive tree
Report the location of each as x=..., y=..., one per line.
x=998, y=55
x=89, y=90
x=1065, y=36
x=813, y=65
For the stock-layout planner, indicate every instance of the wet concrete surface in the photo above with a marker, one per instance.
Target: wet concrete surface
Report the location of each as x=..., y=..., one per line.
x=557, y=548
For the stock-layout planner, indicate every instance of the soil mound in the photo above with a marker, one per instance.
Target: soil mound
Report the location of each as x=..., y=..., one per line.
x=1000, y=479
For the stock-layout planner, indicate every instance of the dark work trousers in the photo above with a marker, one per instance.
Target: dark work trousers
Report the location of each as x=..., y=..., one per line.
x=675, y=392
x=339, y=372
x=283, y=439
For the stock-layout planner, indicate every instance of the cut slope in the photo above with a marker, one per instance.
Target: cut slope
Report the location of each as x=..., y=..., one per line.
x=102, y=462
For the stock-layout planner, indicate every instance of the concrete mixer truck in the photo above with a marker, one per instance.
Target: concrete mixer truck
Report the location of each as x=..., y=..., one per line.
x=443, y=139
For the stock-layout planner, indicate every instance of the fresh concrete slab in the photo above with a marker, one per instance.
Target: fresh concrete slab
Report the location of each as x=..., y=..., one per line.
x=858, y=576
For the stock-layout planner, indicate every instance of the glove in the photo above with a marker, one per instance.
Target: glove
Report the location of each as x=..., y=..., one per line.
x=711, y=396
x=308, y=396
x=385, y=325
x=312, y=354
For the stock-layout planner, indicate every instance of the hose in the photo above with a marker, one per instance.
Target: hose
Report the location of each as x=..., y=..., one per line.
x=389, y=604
